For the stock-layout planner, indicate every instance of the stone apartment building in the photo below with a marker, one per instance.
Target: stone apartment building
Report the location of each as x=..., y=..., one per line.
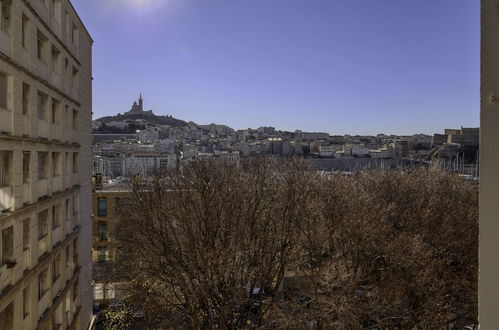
x=45, y=186
x=106, y=205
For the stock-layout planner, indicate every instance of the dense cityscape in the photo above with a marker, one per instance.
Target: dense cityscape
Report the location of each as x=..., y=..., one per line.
x=138, y=142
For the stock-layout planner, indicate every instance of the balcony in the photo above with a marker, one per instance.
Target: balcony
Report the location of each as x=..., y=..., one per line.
x=56, y=287
x=5, y=43
x=42, y=188
x=56, y=132
x=43, y=246
x=27, y=259
x=74, y=136
x=43, y=129
x=75, y=260
x=5, y=121
x=56, y=183
x=43, y=304
x=5, y=277
x=56, y=235
x=26, y=130
x=6, y=198
x=76, y=220
x=26, y=193
x=56, y=79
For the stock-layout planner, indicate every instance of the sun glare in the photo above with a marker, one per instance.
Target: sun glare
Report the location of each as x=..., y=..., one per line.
x=146, y=3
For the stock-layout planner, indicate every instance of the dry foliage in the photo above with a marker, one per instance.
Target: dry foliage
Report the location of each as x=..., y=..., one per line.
x=279, y=245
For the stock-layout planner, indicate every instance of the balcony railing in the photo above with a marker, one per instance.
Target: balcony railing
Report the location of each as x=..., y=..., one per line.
x=5, y=121
x=42, y=188
x=6, y=198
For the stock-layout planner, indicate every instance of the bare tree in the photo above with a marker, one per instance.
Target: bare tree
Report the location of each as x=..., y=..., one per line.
x=278, y=245
x=400, y=252
x=210, y=244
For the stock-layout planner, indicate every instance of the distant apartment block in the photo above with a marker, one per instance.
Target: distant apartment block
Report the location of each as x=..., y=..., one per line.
x=464, y=136
x=45, y=119
x=141, y=163
x=106, y=249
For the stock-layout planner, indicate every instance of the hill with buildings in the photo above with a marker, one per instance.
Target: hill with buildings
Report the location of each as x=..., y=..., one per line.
x=134, y=119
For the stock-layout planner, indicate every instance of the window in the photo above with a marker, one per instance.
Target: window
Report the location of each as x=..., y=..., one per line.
x=66, y=160
x=75, y=204
x=56, y=106
x=101, y=254
x=66, y=66
x=26, y=234
x=75, y=77
x=74, y=34
x=75, y=252
x=56, y=220
x=66, y=22
x=24, y=31
x=56, y=7
x=102, y=207
x=56, y=65
x=41, y=46
x=43, y=165
x=7, y=317
x=43, y=283
x=26, y=301
x=5, y=15
x=56, y=268
x=75, y=162
x=67, y=209
x=54, y=164
x=42, y=106
x=102, y=230
x=7, y=244
x=43, y=226
x=67, y=116
x=68, y=257
x=26, y=160
x=5, y=168
x=75, y=119
x=76, y=288
x=25, y=98
x=3, y=91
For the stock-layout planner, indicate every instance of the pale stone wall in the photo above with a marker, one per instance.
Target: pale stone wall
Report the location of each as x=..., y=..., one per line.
x=489, y=171
x=65, y=302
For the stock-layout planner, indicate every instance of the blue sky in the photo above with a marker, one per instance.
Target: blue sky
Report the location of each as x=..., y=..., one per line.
x=338, y=66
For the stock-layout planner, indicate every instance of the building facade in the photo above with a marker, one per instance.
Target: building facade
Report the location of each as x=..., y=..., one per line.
x=488, y=279
x=45, y=189
x=106, y=205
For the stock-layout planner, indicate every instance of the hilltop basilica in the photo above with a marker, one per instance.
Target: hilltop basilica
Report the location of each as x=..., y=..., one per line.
x=138, y=108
